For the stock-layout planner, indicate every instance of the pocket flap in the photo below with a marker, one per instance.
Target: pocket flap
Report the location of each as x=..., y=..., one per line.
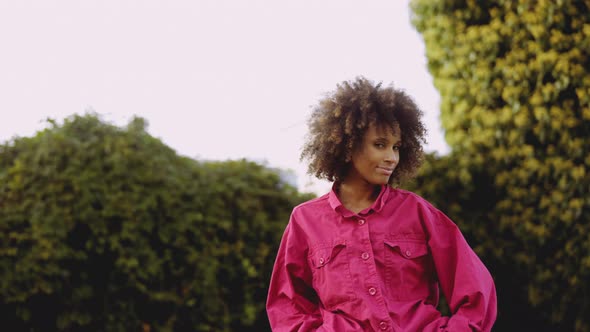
x=408, y=249
x=323, y=256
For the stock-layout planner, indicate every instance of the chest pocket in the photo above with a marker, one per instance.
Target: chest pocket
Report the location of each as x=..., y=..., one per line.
x=409, y=270
x=331, y=274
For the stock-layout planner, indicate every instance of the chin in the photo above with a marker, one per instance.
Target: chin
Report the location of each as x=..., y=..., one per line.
x=381, y=182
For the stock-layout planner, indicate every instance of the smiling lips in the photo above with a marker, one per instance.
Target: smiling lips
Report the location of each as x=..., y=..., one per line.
x=385, y=170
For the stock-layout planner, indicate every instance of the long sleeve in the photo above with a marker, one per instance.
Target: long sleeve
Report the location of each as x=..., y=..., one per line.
x=292, y=303
x=464, y=280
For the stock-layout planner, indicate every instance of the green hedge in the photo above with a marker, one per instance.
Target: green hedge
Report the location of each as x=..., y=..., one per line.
x=107, y=229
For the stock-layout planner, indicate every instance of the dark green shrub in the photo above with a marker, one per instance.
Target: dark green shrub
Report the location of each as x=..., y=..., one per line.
x=107, y=229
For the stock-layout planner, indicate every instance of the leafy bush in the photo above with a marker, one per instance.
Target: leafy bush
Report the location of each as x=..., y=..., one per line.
x=108, y=229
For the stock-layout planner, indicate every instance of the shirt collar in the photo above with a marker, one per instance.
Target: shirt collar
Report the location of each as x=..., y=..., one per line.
x=337, y=206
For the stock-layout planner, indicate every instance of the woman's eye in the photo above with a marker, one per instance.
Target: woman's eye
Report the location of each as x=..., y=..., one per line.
x=380, y=145
x=396, y=148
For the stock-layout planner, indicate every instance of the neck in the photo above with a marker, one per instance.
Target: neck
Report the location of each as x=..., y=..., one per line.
x=357, y=197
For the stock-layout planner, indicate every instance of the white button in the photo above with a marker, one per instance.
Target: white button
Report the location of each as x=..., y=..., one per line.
x=322, y=261
x=365, y=255
x=372, y=291
x=408, y=253
x=361, y=222
x=383, y=325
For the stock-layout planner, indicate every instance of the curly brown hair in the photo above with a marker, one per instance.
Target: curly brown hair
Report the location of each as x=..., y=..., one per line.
x=338, y=124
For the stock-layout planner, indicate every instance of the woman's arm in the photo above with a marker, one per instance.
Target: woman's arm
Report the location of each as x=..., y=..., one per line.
x=464, y=279
x=292, y=304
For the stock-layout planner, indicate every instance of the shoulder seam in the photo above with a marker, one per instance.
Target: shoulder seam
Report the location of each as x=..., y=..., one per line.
x=311, y=201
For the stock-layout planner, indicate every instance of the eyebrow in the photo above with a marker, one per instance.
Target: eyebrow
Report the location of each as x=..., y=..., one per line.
x=382, y=138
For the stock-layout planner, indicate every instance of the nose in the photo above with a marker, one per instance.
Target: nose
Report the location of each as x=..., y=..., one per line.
x=392, y=157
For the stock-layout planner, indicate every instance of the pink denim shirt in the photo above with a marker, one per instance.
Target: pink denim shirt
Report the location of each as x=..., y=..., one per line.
x=378, y=270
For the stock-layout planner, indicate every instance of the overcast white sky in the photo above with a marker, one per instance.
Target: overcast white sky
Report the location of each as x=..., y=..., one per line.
x=219, y=79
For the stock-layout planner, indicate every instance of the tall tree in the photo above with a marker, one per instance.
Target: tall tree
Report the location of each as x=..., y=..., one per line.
x=514, y=79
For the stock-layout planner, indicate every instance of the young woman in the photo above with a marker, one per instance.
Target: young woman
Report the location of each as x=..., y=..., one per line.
x=367, y=256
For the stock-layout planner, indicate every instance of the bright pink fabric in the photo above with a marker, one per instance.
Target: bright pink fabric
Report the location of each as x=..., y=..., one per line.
x=378, y=270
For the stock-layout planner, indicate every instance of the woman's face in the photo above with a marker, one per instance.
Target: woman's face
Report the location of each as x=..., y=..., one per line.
x=375, y=159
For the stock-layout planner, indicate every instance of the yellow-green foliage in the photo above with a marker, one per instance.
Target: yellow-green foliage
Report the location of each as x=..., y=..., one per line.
x=514, y=79
x=107, y=229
